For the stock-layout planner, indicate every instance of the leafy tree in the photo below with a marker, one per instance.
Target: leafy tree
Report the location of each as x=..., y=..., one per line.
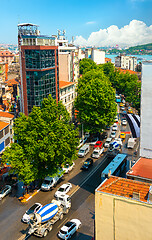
x=86, y=64
x=95, y=101
x=45, y=141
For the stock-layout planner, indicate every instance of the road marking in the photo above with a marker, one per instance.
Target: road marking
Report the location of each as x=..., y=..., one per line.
x=75, y=190
x=63, y=222
x=23, y=237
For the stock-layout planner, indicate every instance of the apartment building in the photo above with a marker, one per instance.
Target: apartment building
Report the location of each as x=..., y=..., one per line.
x=6, y=56
x=67, y=96
x=6, y=130
x=123, y=210
x=98, y=56
x=126, y=62
x=39, y=66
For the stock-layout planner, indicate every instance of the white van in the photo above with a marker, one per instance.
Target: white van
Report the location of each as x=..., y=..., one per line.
x=50, y=182
x=84, y=150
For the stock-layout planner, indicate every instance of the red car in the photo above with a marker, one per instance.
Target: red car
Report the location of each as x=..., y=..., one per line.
x=98, y=144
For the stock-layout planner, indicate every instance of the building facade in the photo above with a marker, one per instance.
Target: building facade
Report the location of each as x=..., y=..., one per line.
x=39, y=67
x=126, y=62
x=6, y=56
x=123, y=210
x=67, y=96
x=146, y=111
x=98, y=56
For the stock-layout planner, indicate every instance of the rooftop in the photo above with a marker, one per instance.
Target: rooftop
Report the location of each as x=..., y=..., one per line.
x=3, y=125
x=127, y=70
x=142, y=168
x=6, y=53
x=63, y=84
x=125, y=188
x=12, y=82
x=6, y=114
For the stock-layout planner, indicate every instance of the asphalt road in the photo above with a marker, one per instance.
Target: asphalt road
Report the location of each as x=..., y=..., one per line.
x=84, y=185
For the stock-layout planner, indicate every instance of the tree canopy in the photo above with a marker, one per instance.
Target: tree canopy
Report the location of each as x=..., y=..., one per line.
x=86, y=65
x=44, y=141
x=95, y=101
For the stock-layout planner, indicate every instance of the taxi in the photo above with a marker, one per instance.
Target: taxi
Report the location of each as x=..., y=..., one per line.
x=121, y=104
x=123, y=135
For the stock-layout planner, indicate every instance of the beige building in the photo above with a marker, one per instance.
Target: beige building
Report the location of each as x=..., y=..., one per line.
x=123, y=210
x=126, y=62
x=67, y=95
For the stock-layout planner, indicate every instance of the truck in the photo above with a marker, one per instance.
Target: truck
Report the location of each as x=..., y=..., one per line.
x=41, y=223
x=97, y=152
x=115, y=146
x=131, y=143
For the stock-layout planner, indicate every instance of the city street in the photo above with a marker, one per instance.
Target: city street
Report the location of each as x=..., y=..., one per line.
x=82, y=195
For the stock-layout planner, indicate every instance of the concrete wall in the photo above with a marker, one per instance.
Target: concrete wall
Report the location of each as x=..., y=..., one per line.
x=146, y=111
x=118, y=218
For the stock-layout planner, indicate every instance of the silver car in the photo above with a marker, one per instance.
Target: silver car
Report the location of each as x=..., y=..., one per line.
x=5, y=191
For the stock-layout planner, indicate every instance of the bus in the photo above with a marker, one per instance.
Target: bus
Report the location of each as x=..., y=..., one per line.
x=115, y=167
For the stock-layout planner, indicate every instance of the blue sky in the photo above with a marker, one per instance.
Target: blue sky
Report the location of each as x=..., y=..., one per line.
x=78, y=18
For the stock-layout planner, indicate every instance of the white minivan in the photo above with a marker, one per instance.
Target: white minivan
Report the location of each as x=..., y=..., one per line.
x=84, y=150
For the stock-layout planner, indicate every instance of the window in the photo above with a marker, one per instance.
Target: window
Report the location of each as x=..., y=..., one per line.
x=7, y=141
x=1, y=134
x=6, y=130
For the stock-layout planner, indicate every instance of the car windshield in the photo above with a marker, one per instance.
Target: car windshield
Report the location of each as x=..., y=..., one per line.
x=31, y=210
x=98, y=143
x=2, y=191
x=108, y=141
x=61, y=189
x=63, y=232
x=46, y=182
x=81, y=151
x=95, y=152
x=94, y=139
x=66, y=165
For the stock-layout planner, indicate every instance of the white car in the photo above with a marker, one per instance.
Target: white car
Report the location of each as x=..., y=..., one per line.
x=122, y=108
x=87, y=135
x=116, y=119
x=63, y=189
x=124, y=122
x=107, y=142
x=119, y=140
x=69, y=229
x=94, y=140
x=115, y=127
x=68, y=167
x=6, y=190
x=33, y=209
x=113, y=134
x=97, y=152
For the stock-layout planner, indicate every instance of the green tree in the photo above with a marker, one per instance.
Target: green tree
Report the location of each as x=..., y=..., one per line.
x=95, y=101
x=45, y=141
x=86, y=65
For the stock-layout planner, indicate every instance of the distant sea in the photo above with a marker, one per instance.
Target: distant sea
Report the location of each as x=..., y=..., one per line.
x=140, y=58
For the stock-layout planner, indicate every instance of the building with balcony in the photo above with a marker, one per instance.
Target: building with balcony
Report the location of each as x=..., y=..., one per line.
x=67, y=96
x=39, y=66
x=123, y=210
x=6, y=130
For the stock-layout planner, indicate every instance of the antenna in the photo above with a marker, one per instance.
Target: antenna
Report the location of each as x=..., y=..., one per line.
x=59, y=32
x=64, y=32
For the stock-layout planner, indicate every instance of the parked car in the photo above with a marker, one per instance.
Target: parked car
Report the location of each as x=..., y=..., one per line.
x=121, y=104
x=98, y=144
x=84, y=150
x=124, y=122
x=87, y=164
x=63, y=189
x=116, y=119
x=104, y=135
x=113, y=134
x=107, y=142
x=94, y=140
x=69, y=229
x=33, y=209
x=5, y=191
x=82, y=141
x=87, y=135
x=122, y=108
x=68, y=167
x=115, y=127
x=50, y=182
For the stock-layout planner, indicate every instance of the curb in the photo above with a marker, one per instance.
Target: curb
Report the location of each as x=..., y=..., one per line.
x=27, y=199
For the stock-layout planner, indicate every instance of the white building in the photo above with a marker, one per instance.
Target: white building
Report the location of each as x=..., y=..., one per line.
x=146, y=111
x=67, y=95
x=126, y=62
x=98, y=56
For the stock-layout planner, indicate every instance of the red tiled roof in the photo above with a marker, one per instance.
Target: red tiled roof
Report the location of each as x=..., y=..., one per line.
x=6, y=53
x=3, y=125
x=142, y=168
x=12, y=82
x=6, y=114
x=127, y=70
x=63, y=84
x=125, y=187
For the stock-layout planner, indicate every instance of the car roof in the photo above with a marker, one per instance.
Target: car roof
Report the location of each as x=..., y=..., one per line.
x=64, y=185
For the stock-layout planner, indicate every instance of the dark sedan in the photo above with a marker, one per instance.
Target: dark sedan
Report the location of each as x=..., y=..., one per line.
x=87, y=164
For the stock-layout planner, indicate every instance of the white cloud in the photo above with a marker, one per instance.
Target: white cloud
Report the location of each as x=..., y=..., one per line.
x=89, y=23
x=135, y=33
